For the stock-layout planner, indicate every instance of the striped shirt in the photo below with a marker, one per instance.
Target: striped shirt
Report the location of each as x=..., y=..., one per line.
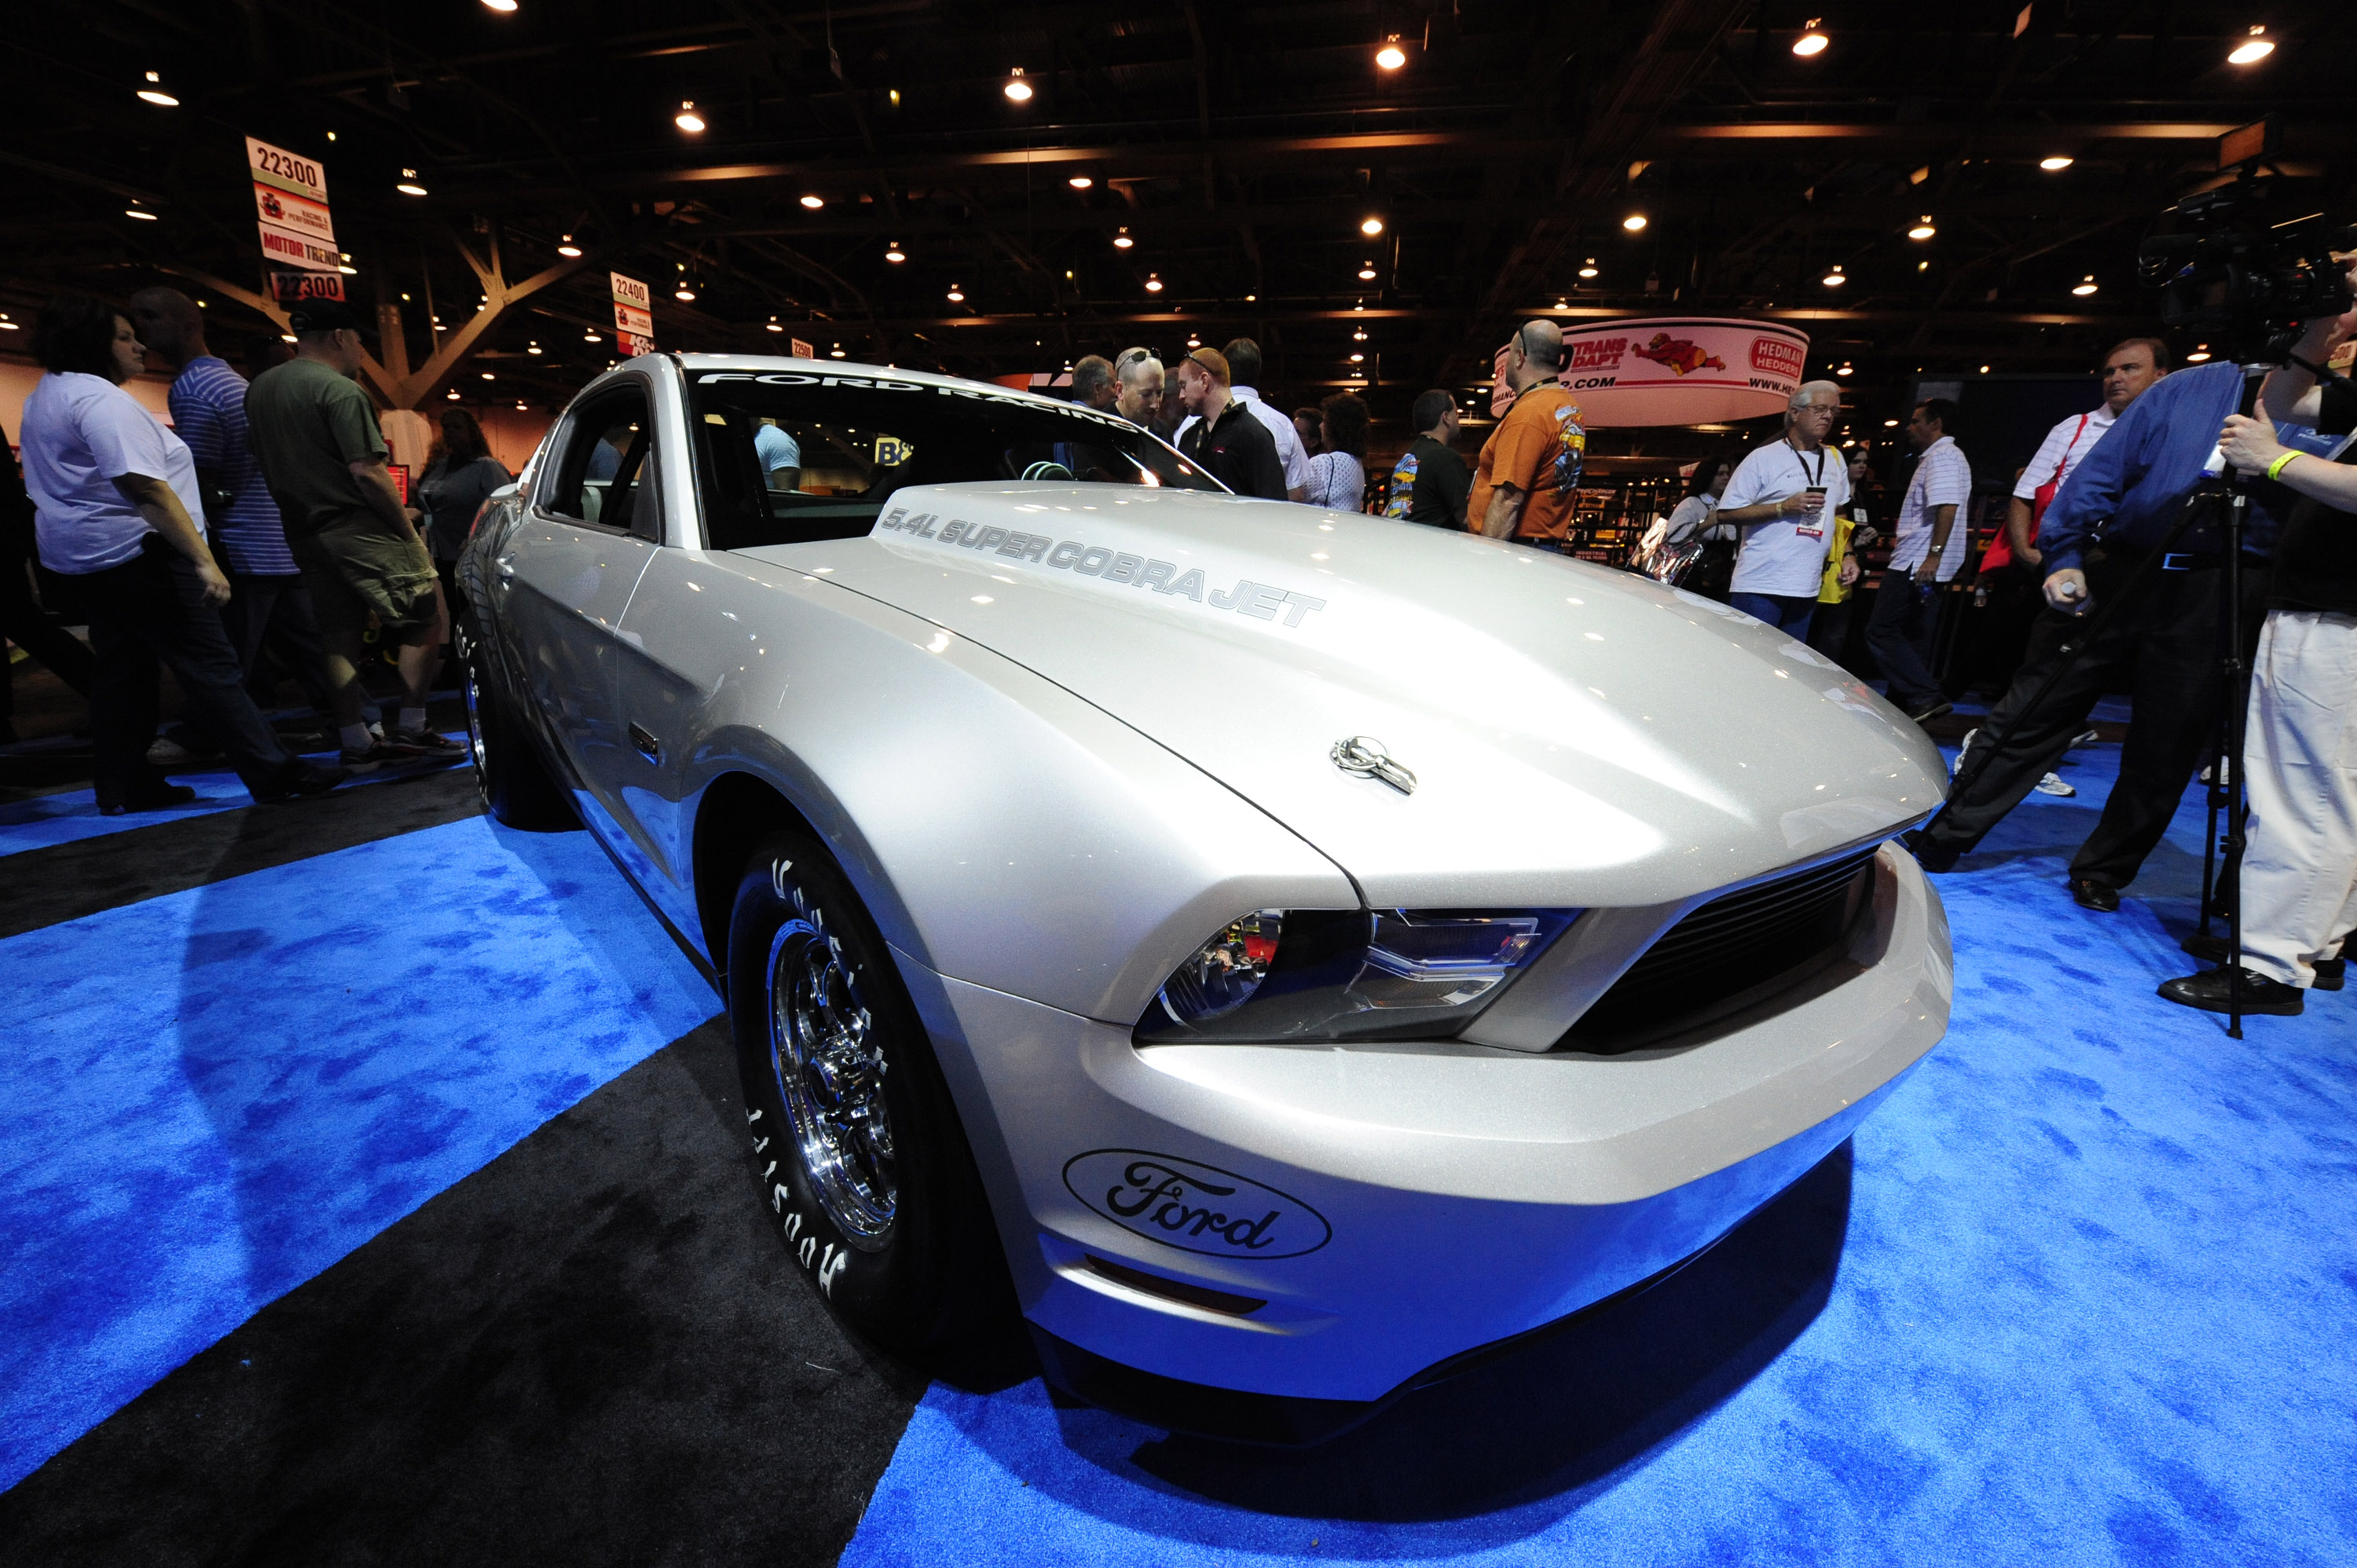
x=207, y=403
x=1942, y=477
x=2060, y=451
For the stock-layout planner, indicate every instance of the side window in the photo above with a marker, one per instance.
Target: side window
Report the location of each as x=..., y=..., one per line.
x=605, y=475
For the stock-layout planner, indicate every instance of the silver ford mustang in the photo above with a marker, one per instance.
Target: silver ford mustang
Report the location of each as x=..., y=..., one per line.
x=1303, y=951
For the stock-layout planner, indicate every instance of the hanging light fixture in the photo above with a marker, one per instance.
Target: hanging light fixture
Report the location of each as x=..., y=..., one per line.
x=2084, y=286
x=892, y=253
x=566, y=247
x=2252, y=49
x=1366, y=272
x=1358, y=359
x=2200, y=353
x=504, y=7
x=452, y=394
x=2056, y=164
x=1391, y=56
x=1834, y=278
x=407, y=184
x=136, y=210
x=1923, y=229
x=687, y=119
x=1812, y=39
x=772, y=325
x=154, y=93
x=835, y=352
x=1844, y=370
x=1359, y=336
x=1371, y=226
x=1016, y=88
x=1634, y=222
x=1154, y=283
x=813, y=202
x=685, y=292
x=1080, y=182
x=957, y=294
x=1588, y=269
x=590, y=335
x=1121, y=239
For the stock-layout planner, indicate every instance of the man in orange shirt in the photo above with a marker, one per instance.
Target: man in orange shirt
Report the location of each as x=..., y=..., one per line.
x=1529, y=476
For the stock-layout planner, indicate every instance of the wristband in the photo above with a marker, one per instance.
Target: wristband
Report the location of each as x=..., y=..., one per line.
x=2275, y=468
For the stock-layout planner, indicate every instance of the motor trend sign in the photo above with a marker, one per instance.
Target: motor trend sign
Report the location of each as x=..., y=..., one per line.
x=290, y=208
x=1687, y=370
x=634, y=320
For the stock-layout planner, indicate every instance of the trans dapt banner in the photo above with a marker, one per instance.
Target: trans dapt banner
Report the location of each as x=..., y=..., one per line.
x=1683, y=371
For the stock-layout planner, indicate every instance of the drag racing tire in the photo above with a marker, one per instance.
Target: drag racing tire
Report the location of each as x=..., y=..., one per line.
x=861, y=1160
x=516, y=786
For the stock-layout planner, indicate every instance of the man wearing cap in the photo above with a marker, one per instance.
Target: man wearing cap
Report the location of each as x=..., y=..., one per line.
x=316, y=434
x=1220, y=435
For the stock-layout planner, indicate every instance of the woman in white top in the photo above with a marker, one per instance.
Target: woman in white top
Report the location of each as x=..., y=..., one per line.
x=115, y=512
x=1338, y=476
x=1690, y=519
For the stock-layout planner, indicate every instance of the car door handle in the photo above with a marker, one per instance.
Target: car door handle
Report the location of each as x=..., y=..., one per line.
x=648, y=747
x=505, y=568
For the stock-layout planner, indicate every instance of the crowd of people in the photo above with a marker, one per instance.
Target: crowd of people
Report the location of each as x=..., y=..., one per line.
x=260, y=532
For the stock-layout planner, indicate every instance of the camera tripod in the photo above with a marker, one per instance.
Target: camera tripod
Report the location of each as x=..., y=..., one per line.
x=2224, y=499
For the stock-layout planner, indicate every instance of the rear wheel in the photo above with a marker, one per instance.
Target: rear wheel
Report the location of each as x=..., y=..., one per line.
x=514, y=783
x=859, y=1153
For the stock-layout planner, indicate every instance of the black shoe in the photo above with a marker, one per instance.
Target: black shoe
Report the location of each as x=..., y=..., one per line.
x=156, y=799
x=301, y=778
x=2207, y=991
x=2331, y=973
x=1938, y=707
x=2090, y=894
x=1934, y=857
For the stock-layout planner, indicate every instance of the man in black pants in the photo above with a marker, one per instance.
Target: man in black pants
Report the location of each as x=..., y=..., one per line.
x=2164, y=638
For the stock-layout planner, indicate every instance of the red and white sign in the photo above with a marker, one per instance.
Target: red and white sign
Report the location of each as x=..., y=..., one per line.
x=290, y=207
x=1682, y=370
x=287, y=288
x=634, y=320
x=800, y=350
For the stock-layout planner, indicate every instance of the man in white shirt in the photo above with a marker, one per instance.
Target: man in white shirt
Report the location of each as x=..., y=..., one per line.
x=1783, y=496
x=781, y=456
x=1928, y=550
x=1244, y=366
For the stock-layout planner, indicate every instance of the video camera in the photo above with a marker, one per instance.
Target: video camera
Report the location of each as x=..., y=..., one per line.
x=2228, y=269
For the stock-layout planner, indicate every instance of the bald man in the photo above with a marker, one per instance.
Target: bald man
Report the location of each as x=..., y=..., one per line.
x=1529, y=472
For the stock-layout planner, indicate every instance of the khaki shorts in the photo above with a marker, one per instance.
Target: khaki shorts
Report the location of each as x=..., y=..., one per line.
x=355, y=569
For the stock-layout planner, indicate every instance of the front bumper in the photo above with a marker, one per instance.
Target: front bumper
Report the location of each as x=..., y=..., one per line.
x=1467, y=1194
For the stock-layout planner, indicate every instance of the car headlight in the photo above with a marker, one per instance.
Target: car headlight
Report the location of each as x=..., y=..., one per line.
x=1333, y=974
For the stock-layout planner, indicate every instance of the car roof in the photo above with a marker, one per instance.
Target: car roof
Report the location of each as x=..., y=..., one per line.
x=760, y=364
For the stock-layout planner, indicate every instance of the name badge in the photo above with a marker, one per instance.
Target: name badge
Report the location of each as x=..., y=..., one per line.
x=1808, y=533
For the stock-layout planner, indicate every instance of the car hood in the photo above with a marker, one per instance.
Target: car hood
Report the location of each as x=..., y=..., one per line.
x=1578, y=735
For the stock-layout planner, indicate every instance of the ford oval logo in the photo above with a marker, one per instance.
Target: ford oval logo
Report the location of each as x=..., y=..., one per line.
x=1194, y=1207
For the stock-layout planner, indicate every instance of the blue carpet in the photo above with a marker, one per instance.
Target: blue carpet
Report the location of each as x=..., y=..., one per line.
x=66, y=816
x=213, y=1095
x=2090, y=1300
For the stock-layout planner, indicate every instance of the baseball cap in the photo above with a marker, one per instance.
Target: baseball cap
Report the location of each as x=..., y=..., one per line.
x=324, y=316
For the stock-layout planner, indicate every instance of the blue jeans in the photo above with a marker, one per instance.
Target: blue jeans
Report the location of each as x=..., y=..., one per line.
x=1788, y=613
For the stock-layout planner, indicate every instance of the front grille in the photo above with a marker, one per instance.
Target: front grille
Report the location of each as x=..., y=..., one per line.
x=1727, y=954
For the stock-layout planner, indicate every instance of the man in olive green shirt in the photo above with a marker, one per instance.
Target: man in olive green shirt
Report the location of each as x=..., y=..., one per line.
x=323, y=454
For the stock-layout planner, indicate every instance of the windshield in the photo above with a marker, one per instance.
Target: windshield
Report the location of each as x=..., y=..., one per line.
x=784, y=457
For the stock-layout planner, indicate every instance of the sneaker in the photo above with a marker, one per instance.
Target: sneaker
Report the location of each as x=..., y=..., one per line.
x=2331, y=973
x=300, y=778
x=1958, y=765
x=2052, y=785
x=430, y=744
x=2083, y=737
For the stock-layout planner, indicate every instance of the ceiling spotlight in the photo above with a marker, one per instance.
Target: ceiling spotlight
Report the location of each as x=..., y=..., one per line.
x=1194, y=339
x=566, y=247
x=684, y=292
x=153, y=93
x=1358, y=359
x=772, y=325
x=1835, y=279
x=892, y=253
x=957, y=294
x=687, y=119
x=813, y=202
x=1633, y=222
x=2056, y=164
x=2200, y=353
x=1922, y=231
x=1016, y=88
x=136, y=210
x=452, y=394
x=1154, y=283
x=2253, y=49
x=1121, y=239
x=1588, y=269
x=835, y=352
x=407, y=184
x=1922, y=266
x=2085, y=286
x=1359, y=336
x=1391, y=56
x=1890, y=424
x=1371, y=227
x=1813, y=41
x=1366, y=272
x=504, y=8
x=1985, y=369
x=1080, y=182
x=1843, y=371
x=488, y=376
x=589, y=336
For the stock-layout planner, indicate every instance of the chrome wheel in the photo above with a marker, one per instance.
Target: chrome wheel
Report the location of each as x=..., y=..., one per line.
x=830, y=1073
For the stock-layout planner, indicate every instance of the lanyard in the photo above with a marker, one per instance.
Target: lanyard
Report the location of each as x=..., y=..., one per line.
x=2063, y=468
x=1802, y=458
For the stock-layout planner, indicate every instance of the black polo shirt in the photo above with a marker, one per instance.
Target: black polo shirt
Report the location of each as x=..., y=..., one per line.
x=2316, y=558
x=1238, y=451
